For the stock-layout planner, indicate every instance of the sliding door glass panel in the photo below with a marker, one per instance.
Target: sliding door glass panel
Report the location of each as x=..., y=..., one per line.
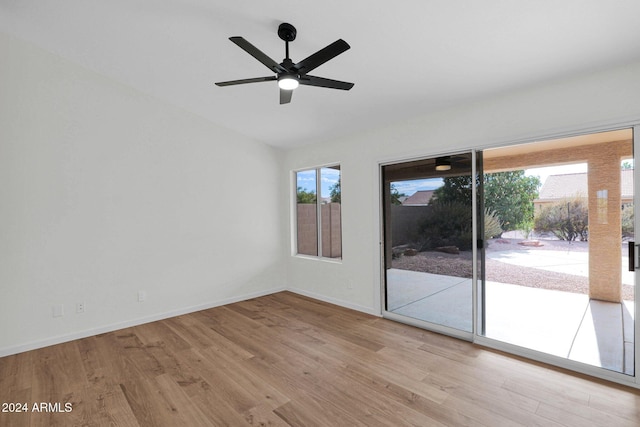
x=557, y=273
x=429, y=240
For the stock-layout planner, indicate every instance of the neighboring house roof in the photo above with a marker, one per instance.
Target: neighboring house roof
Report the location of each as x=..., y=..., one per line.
x=419, y=198
x=572, y=184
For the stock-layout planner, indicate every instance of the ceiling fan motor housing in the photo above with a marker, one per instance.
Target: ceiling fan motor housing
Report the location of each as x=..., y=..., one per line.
x=287, y=32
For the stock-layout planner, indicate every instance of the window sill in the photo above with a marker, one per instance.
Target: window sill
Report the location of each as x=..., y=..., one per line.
x=317, y=258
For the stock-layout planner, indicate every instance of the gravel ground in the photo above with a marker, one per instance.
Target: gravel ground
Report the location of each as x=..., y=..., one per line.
x=496, y=271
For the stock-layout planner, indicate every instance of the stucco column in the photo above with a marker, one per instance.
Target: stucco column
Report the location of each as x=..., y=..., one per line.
x=605, y=235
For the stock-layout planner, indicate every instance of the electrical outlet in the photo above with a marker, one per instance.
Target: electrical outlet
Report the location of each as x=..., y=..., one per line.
x=58, y=310
x=80, y=307
x=142, y=296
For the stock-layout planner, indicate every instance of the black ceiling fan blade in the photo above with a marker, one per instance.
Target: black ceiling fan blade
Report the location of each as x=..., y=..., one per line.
x=322, y=82
x=243, y=81
x=258, y=54
x=285, y=96
x=322, y=56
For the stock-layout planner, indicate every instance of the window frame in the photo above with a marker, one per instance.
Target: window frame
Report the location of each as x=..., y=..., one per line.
x=294, y=211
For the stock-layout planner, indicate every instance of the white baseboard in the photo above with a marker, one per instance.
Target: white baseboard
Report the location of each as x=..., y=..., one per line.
x=335, y=301
x=7, y=351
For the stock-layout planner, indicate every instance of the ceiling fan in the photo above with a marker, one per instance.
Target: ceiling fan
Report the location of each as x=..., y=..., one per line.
x=289, y=74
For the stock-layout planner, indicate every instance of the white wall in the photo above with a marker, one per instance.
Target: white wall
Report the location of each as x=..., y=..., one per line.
x=582, y=103
x=105, y=191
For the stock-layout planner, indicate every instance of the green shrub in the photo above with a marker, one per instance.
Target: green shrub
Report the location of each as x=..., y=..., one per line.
x=567, y=220
x=447, y=224
x=492, y=224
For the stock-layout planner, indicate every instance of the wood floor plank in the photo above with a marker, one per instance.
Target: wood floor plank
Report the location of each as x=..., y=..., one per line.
x=625, y=405
x=263, y=415
x=301, y=379
x=15, y=373
x=186, y=410
x=574, y=415
x=474, y=414
x=468, y=390
x=192, y=331
x=160, y=332
x=220, y=381
x=263, y=393
x=288, y=360
x=205, y=325
x=239, y=330
x=541, y=390
x=358, y=397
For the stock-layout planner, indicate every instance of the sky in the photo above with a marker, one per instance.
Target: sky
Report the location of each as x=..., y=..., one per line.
x=328, y=178
x=410, y=187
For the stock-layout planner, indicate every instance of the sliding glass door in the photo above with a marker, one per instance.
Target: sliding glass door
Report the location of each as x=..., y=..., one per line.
x=547, y=267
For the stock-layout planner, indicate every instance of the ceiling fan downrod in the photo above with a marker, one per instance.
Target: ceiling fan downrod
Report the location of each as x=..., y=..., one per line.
x=287, y=32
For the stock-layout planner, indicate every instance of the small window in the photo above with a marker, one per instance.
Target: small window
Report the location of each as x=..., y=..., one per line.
x=318, y=219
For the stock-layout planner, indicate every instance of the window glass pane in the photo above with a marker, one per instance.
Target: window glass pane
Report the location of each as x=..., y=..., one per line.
x=306, y=206
x=331, y=196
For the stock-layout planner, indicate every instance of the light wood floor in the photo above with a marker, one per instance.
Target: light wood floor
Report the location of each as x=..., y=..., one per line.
x=284, y=360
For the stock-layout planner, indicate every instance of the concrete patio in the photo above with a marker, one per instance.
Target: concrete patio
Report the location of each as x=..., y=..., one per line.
x=560, y=323
x=567, y=262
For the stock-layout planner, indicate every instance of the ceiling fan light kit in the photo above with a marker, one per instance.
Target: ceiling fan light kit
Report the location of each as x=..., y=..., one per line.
x=443, y=163
x=288, y=81
x=289, y=74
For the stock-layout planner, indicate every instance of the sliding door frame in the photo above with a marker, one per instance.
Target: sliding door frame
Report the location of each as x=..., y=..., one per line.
x=562, y=362
x=477, y=336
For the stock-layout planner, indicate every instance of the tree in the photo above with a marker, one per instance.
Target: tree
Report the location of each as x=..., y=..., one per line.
x=455, y=189
x=396, y=195
x=305, y=196
x=336, y=192
x=510, y=195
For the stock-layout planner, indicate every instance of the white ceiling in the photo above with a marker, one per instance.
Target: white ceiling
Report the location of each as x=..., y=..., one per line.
x=407, y=57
